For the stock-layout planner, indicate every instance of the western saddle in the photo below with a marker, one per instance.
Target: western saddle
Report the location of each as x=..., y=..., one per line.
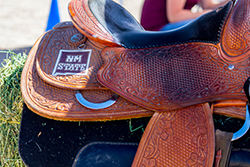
x=104, y=66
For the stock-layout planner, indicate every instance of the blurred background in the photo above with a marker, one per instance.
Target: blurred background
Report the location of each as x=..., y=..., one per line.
x=23, y=21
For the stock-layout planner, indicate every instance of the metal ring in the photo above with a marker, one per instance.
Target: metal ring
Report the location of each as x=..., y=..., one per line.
x=95, y=106
x=81, y=46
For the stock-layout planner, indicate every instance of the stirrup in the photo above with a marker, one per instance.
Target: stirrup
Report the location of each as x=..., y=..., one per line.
x=95, y=106
x=244, y=128
x=246, y=125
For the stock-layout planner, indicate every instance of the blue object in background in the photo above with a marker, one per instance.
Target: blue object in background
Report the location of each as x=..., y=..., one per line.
x=54, y=17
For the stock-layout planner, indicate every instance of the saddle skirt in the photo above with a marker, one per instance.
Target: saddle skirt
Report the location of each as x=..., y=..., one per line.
x=52, y=75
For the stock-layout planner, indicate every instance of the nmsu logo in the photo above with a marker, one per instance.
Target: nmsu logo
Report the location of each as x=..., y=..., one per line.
x=72, y=62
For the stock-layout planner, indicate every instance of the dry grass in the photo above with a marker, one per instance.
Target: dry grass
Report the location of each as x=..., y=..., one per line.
x=11, y=103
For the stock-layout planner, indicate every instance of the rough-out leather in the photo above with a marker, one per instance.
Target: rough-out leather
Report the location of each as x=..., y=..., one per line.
x=223, y=143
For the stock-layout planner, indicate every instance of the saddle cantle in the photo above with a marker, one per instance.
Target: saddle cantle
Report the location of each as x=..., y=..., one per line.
x=95, y=27
x=111, y=24
x=207, y=60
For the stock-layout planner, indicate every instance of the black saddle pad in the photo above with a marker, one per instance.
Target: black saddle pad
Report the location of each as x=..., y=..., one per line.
x=49, y=143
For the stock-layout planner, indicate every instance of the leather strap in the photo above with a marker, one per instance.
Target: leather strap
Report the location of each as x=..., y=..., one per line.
x=223, y=143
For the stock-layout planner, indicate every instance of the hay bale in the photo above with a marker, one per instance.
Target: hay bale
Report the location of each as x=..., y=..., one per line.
x=11, y=104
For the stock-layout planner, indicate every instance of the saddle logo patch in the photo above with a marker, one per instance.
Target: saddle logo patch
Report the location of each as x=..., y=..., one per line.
x=72, y=62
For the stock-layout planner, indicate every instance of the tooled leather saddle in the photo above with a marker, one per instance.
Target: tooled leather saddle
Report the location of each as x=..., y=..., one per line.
x=104, y=66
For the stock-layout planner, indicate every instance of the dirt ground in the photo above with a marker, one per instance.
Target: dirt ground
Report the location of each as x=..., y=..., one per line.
x=22, y=22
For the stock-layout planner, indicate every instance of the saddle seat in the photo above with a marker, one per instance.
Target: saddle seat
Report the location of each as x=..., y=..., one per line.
x=124, y=30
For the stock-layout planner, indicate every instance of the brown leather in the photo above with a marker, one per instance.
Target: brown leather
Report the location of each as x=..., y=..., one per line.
x=183, y=137
x=92, y=28
x=171, y=77
x=227, y=103
x=168, y=91
x=124, y=30
x=230, y=108
x=54, y=96
x=218, y=158
x=178, y=79
x=232, y=111
x=60, y=39
x=236, y=33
